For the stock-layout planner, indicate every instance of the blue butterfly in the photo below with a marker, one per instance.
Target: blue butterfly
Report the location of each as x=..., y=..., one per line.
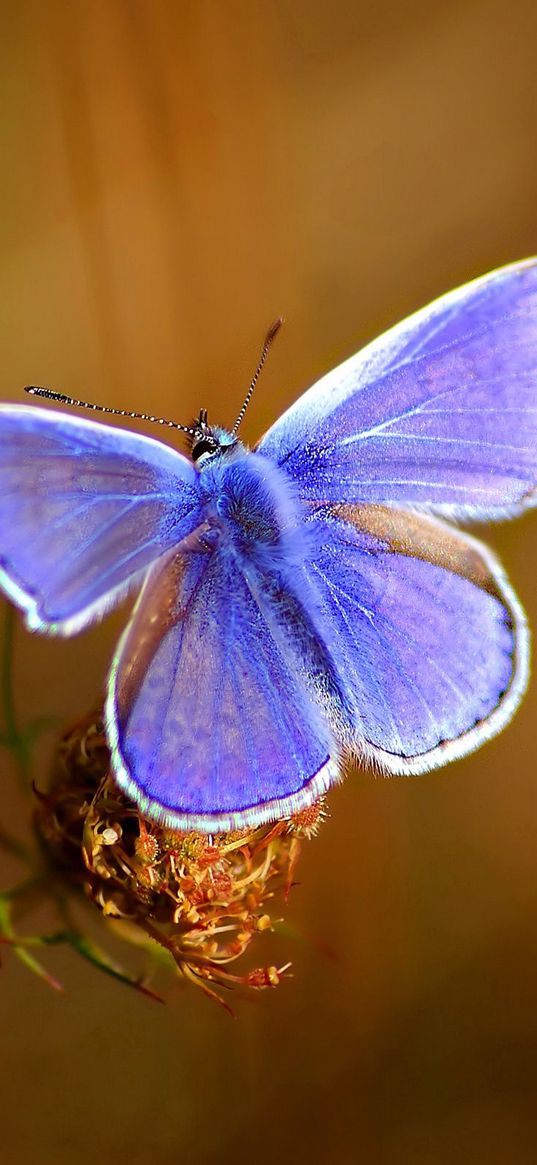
x=307, y=600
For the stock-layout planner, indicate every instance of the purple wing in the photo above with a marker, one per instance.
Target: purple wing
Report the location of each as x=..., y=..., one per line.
x=432, y=644
x=440, y=412
x=209, y=724
x=84, y=509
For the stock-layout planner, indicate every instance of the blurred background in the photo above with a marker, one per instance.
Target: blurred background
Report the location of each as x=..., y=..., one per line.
x=175, y=175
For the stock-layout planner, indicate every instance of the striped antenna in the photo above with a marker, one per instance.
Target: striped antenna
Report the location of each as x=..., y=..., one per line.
x=272, y=332
x=61, y=398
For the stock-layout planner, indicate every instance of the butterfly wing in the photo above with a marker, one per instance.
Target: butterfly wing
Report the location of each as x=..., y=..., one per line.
x=432, y=646
x=84, y=509
x=209, y=725
x=440, y=412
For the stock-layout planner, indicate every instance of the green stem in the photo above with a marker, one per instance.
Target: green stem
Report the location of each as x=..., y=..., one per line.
x=14, y=739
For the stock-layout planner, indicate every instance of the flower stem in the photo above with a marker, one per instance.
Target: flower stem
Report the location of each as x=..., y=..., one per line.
x=13, y=739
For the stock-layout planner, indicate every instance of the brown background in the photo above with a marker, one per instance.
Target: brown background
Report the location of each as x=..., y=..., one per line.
x=174, y=176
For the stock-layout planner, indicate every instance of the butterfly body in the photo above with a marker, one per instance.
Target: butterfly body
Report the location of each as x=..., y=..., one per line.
x=253, y=505
x=308, y=599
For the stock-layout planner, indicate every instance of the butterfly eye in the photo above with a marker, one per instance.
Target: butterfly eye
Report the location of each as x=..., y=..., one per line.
x=203, y=442
x=203, y=439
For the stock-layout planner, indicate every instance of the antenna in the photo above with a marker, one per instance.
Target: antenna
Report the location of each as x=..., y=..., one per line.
x=61, y=398
x=272, y=332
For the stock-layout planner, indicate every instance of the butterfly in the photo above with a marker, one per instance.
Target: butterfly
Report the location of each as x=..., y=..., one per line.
x=311, y=598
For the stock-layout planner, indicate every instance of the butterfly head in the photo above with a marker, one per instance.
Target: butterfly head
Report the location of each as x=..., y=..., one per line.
x=207, y=441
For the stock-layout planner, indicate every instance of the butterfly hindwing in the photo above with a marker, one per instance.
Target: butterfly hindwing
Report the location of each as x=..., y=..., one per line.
x=440, y=412
x=432, y=646
x=84, y=508
x=210, y=725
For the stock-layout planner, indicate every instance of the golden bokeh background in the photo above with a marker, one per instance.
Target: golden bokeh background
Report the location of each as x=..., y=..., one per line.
x=175, y=175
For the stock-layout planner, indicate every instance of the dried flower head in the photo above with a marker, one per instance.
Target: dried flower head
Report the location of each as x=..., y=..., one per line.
x=202, y=900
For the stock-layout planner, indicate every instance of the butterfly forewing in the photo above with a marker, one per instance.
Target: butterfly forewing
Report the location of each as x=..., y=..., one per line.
x=440, y=412
x=84, y=509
